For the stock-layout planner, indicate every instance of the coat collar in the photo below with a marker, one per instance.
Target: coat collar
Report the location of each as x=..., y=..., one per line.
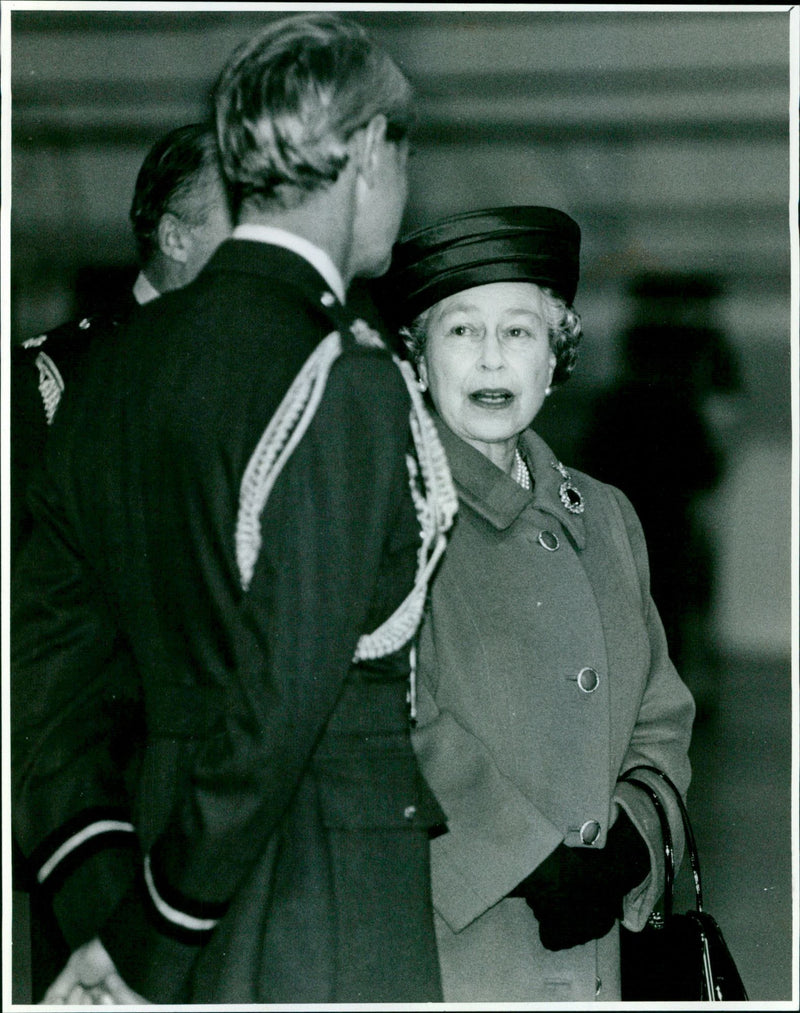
x=496, y=497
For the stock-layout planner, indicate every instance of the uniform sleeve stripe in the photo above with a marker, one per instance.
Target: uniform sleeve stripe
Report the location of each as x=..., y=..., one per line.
x=78, y=840
x=171, y=914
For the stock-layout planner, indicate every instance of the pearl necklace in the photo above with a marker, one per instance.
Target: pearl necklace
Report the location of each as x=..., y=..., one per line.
x=521, y=474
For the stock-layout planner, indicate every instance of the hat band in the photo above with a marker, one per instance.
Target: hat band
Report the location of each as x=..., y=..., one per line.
x=543, y=271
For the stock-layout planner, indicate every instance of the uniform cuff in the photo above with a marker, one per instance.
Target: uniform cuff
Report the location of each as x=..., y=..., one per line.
x=89, y=893
x=154, y=937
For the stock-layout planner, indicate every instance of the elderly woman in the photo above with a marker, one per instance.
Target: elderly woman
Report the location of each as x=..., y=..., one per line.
x=543, y=672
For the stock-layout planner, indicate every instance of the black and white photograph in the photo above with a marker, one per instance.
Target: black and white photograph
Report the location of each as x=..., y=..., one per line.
x=400, y=505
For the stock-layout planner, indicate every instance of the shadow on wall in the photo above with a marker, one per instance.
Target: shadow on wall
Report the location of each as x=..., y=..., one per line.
x=659, y=433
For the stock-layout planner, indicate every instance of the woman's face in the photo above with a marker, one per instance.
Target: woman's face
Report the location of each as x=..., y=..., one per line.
x=488, y=363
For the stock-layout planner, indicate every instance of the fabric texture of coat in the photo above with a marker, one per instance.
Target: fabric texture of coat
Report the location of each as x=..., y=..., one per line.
x=543, y=676
x=276, y=848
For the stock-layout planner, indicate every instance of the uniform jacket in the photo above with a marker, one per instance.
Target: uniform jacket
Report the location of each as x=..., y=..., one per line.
x=41, y=370
x=276, y=849
x=544, y=675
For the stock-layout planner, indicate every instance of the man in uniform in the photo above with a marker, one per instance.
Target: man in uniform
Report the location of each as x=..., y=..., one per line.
x=251, y=498
x=179, y=216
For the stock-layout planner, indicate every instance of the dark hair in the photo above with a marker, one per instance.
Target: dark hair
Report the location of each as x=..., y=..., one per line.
x=289, y=100
x=175, y=177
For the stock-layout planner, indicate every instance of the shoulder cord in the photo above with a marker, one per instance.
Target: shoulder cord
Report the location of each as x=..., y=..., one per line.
x=51, y=385
x=436, y=503
x=285, y=430
x=432, y=489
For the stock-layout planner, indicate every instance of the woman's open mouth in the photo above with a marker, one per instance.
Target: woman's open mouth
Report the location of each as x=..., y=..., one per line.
x=492, y=397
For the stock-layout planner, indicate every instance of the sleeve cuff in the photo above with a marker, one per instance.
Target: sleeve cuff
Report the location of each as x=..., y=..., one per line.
x=154, y=937
x=639, y=903
x=86, y=896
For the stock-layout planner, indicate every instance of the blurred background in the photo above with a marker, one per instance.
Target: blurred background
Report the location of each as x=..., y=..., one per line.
x=666, y=135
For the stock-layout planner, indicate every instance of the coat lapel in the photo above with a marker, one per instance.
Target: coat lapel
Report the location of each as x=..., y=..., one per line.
x=496, y=497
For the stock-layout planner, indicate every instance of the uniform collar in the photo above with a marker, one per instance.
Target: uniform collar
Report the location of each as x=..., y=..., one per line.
x=496, y=497
x=144, y=290
x=315, y=255
x=280, y=268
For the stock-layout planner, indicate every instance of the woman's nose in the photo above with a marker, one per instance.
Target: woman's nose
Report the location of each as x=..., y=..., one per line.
x=491, y=351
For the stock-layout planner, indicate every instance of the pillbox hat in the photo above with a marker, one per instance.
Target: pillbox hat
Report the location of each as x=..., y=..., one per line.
x=522, y=243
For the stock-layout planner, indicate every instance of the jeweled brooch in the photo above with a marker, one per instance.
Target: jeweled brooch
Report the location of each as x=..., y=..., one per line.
x=569, y=495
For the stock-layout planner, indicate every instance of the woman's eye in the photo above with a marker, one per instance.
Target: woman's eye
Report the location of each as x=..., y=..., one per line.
x=518, y=332
x=460, y=330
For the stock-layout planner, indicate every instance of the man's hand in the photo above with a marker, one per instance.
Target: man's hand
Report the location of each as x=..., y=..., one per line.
x=90, y=978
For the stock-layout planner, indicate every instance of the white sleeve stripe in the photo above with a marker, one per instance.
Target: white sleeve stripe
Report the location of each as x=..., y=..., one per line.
x=170, y=913
x=101, y=827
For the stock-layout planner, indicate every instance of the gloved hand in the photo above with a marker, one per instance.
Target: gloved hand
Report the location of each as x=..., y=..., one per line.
x=576, y=893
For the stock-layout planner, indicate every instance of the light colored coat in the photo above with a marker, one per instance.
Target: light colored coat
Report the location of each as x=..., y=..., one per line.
x=519, y=755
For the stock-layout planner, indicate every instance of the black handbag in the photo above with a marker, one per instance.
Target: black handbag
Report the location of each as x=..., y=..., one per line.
x=677, y=957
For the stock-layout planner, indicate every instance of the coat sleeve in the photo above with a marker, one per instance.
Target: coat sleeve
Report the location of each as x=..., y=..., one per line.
x=76, y=720
x=28, y=434
x=660, y=737
x=324, y=529
x=496, y=835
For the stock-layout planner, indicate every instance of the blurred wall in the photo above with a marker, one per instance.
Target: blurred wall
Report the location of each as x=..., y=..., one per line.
x=666, y=135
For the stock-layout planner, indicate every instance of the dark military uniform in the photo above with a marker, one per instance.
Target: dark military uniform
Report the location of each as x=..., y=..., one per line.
x=282, y=822
x=42, y=368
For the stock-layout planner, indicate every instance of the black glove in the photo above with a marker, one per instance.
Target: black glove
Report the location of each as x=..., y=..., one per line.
x=576, y=893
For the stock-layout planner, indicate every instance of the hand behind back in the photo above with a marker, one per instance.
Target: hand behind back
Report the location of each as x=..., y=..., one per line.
x=90, y=978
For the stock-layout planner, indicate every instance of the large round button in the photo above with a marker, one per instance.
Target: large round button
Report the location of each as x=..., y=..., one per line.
x=590, y=831
x=548, y=540
x=588, y=680
x=410, y=812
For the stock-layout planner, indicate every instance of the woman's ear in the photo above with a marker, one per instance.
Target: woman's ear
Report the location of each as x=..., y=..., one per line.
x=422, y=371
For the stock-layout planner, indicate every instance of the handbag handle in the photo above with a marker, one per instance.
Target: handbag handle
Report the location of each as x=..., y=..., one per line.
x=691, y=844
x=666, y=834
x=714, y=988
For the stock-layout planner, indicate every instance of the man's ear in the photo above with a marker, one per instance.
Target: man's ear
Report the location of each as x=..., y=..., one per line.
x=172, y=238
x=368, y=144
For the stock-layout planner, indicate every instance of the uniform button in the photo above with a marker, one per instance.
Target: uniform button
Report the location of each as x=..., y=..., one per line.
x=589, y=832
x=548, y=540
x=328, y=299
x=85, y=324
x=588, y=680
x=410, y=812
